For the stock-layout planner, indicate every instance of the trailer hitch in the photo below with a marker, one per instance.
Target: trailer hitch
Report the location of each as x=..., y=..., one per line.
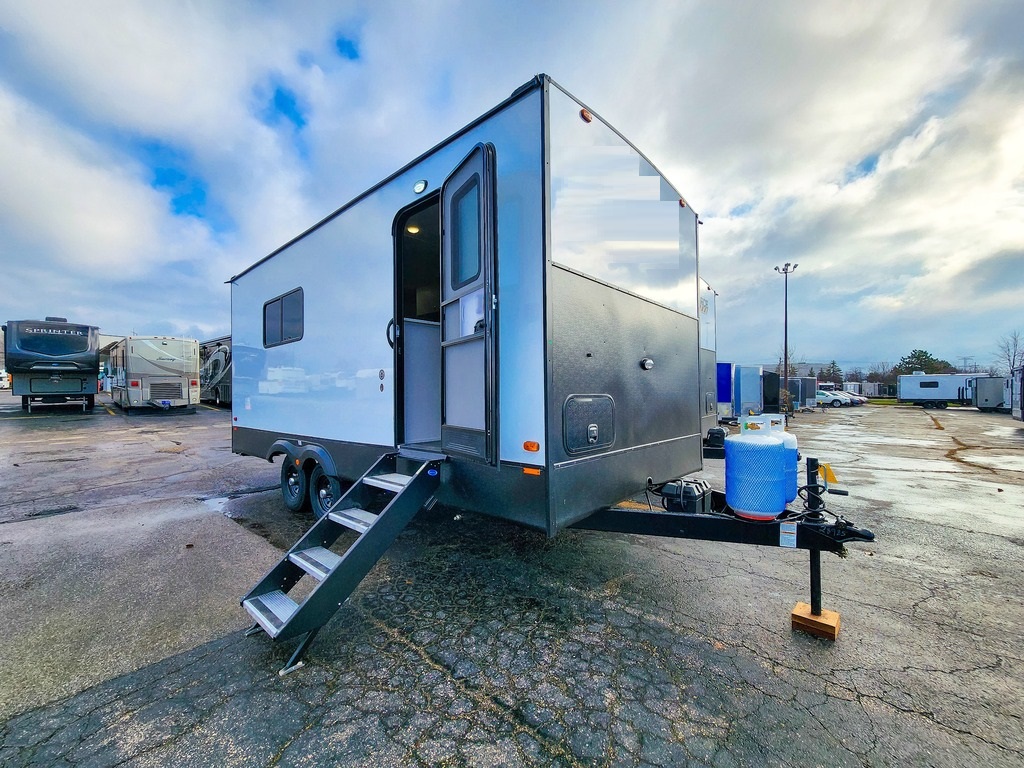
x=691, y=509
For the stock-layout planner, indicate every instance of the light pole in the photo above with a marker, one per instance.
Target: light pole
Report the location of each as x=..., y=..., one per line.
x=784, y=271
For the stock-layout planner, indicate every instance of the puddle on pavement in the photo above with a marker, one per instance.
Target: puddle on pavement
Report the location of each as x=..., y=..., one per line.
x=261, y=511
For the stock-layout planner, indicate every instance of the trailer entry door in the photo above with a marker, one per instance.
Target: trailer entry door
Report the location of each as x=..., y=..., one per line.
x=468, y=302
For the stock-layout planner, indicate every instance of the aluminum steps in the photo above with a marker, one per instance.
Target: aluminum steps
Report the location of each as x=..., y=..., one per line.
x=377, y=508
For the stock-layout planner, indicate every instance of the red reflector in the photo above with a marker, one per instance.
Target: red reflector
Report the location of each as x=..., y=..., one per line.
x=133, y=383
x=193, y=383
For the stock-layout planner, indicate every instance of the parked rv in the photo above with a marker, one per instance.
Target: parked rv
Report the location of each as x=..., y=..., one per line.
x=988, y=393
x=215, y=370
x=52, y=361
x=511, y=325
x=935, y=390
x=1017, y=393
x=154, y=372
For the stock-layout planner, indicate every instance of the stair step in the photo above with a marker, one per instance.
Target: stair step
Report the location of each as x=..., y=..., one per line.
x=393, y=481
x=356, y=519
x=271, y=610
x=318, y=562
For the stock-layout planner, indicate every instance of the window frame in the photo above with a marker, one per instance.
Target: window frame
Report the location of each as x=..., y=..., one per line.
x=473, y=185
x=267, y=344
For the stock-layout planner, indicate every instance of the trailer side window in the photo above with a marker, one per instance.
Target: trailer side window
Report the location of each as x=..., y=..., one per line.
x=282, y=319
x=929, y=385
x=466, y=233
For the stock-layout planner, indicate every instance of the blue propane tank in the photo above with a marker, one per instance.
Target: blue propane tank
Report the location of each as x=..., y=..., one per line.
x=755, y=470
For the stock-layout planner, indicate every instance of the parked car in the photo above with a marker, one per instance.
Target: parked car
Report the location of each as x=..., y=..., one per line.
x=833, y=398
x=856, y=397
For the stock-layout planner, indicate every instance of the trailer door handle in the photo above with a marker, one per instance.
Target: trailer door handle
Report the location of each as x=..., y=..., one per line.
x=387, y=333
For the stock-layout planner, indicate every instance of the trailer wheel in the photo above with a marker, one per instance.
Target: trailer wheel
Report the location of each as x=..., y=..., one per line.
x=90, y=402
x=324, y=491
x=24, y=402
x=943, y=405
x=294, y=484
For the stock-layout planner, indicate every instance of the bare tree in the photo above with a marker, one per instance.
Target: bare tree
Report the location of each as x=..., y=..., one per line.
x=882, y=372
x=1010, y=351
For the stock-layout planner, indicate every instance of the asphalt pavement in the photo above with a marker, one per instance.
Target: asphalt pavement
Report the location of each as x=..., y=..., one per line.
x=127, y=541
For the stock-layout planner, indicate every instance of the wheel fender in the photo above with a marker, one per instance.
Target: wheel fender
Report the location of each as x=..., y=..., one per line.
x=303, y=453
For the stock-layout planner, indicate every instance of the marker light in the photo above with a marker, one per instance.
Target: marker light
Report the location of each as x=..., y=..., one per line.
x=531, y=446
x=531, y=471
x=193, y=383
x=133, y=383
x=420, y=186
x=586, y=116
x=412, y=229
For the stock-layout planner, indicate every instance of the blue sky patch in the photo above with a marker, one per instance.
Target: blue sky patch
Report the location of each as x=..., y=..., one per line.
x=741, y=210
x=865, y=167
x=171, y=172
x=284, y=104
x=346, y=48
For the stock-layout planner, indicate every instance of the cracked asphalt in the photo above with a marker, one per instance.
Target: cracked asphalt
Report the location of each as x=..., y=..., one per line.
x=126, y=542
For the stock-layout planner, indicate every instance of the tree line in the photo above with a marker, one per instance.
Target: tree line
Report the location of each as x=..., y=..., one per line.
x=1009, y=355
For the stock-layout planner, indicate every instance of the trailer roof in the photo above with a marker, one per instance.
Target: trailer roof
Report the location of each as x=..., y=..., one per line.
x=537, y=82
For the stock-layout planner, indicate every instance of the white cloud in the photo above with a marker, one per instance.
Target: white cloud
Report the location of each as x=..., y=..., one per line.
x=758, y=112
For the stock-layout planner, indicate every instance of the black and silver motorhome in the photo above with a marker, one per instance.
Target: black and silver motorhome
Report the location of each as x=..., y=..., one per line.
x=52, y=361
x=512, y=324
x=215, y=370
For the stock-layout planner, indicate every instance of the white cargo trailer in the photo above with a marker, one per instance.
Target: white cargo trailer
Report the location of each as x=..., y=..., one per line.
x=521, y=300
x=936, y=390
x=154, y=372
x=510, y=324
x=988, y=393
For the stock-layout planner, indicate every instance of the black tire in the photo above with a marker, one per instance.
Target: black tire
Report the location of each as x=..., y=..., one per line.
x=24, y=402
x=943, y=406
x=90, y=402
x=294, y=485
x=324, y=491
x=837, y=403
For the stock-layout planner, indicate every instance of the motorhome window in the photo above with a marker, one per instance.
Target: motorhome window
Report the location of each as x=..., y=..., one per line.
x=929, y=385
x=282, y=319
x=56, y=343
x=466, y=233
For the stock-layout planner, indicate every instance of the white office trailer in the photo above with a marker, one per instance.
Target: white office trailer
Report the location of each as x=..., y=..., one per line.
x=521, y=300
x=934, y=390
x=154, y=372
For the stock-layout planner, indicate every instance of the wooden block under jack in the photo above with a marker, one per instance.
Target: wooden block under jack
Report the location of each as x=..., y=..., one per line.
x=826, y=625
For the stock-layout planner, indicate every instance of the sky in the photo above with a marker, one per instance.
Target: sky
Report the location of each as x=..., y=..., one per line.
x=151, y=151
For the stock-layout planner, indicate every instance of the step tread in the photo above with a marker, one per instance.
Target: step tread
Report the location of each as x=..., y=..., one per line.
x=318, y=562
x=391, y=481
x=354, y=518
x=271, y=610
